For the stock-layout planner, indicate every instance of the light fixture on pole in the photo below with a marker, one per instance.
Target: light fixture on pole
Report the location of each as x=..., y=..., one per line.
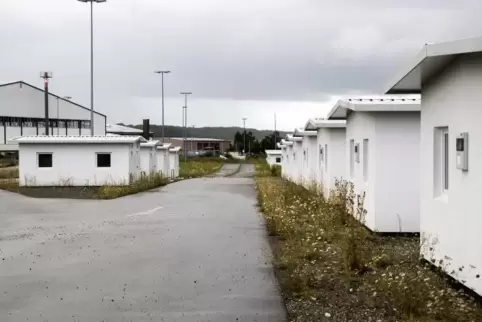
x=185, y=122
x=244, y=126
x=58, y=99
x=162, y=72
x=46, y=76
x=92, y=61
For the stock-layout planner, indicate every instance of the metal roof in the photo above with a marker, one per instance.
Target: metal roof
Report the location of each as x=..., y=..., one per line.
x=50, y=94
x=315, y=124
x=150, y=144
x=115, y=128
x=77, y=139
x=432, y=59
x=272, y=152
x=302, y=132
x=395, y=103
x=201, y=139
x=164, y=146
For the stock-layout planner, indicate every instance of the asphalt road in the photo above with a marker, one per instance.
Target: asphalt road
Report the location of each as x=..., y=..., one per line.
x=195, y=250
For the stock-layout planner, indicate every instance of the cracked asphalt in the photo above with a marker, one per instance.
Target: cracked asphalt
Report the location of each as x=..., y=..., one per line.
x=195, y=250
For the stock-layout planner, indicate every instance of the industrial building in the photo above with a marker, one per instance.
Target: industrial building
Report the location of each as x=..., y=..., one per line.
x=22, y=113
x=199, y=146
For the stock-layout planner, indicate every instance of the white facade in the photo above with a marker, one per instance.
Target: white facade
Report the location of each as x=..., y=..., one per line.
x=287, y=166
x=78, y=161
x=449, y=199
x=331, y=152
x=22, y=113
x=295, y=158
x=383, y=160
x=148, y=156
x=309, y=157
x=174, y=162
x=163, y=159
x=273, y=157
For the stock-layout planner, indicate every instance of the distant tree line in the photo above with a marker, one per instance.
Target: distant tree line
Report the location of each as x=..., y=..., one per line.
x=254, y=145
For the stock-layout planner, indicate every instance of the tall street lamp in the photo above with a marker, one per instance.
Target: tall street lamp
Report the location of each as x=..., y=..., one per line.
x=244, y=125
x=92, y=62
x=185, y=121
x=68, y=98
x=162, y=72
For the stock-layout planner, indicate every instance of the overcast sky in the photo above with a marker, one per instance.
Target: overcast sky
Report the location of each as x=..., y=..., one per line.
x=240, y=58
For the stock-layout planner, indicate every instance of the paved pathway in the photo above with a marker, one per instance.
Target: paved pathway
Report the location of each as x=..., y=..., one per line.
x=195, y=250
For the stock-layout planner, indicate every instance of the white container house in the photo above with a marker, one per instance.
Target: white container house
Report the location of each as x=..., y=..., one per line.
x=78, y=161
x=284, y=156
x=309, y=157
x=383, y=159
x=451, y=154
x=295, y=157
x=163, y=159
x=331, y=152
x=174, y=162
x=148, y=156
x=287, y=166
x=273, y=157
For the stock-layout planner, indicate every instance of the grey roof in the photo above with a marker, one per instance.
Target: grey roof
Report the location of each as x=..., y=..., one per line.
x=314, y=124
x=115, y=128
x=395, y=103
x=202, y=139
x=150, y=144
x=432, y=59
x=51, y=94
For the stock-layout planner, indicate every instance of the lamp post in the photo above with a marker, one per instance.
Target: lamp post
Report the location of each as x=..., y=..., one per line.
x=46, y=76
x=58, y=99
x=185, y=121
x=92, y=61
x=244, y=125
x=162, y=72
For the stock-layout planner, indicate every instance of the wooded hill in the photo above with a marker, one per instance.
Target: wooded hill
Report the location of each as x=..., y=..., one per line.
x=226, y=133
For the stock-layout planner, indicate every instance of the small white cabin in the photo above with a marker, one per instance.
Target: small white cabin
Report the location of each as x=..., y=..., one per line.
x=287, y=166
x=273, y=157
x=174, y=162
x=331, y=152
x=383, y=160
x=451, y=154
x=309, y=156
x=295, y=157
x=78, y=161
x=163, y=159
x=149, y=157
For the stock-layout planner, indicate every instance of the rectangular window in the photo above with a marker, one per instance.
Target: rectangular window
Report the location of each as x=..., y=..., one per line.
x=365, y=160
x=278, y=160
x=326, y=157
x=441, y=160
x=44, y=160
x=352, y=158
x=103, y=160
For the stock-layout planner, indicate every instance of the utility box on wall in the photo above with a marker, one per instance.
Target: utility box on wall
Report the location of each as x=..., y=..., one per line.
x=462, y=146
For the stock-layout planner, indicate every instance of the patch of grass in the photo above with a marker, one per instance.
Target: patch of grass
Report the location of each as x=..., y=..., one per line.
x=199, y=167
x=327, y=262
x=9, y=173
x=140, y=184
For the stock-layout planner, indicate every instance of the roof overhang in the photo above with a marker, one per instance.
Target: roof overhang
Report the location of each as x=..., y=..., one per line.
x=302, y=132
x=43, y=139
x=175, y=149
x=429, y=62
x=150, y=144
x=315, y=124
x=394, y=103
x=281, y=146
x=289, y=143
x=165, y=146
x=273, y=152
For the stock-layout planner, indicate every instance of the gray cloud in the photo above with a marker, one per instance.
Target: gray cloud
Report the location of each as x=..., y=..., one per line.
x=270, y=50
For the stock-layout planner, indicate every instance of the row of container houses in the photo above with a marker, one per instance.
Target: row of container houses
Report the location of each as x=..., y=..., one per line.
x=407, y=155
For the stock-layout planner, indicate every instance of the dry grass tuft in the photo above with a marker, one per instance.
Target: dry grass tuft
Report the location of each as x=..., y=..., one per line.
x=143, y=183
x=9, y=173
x=200, y=167
x=327, y=262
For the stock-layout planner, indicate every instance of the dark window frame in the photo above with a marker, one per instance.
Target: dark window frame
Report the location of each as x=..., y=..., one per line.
x=45, y=163
x=103, y=163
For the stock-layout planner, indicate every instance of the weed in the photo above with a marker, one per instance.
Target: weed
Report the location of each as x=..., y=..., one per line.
x=8, y=173
x=327, y=261
x=198, y=167
x=139, y=184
